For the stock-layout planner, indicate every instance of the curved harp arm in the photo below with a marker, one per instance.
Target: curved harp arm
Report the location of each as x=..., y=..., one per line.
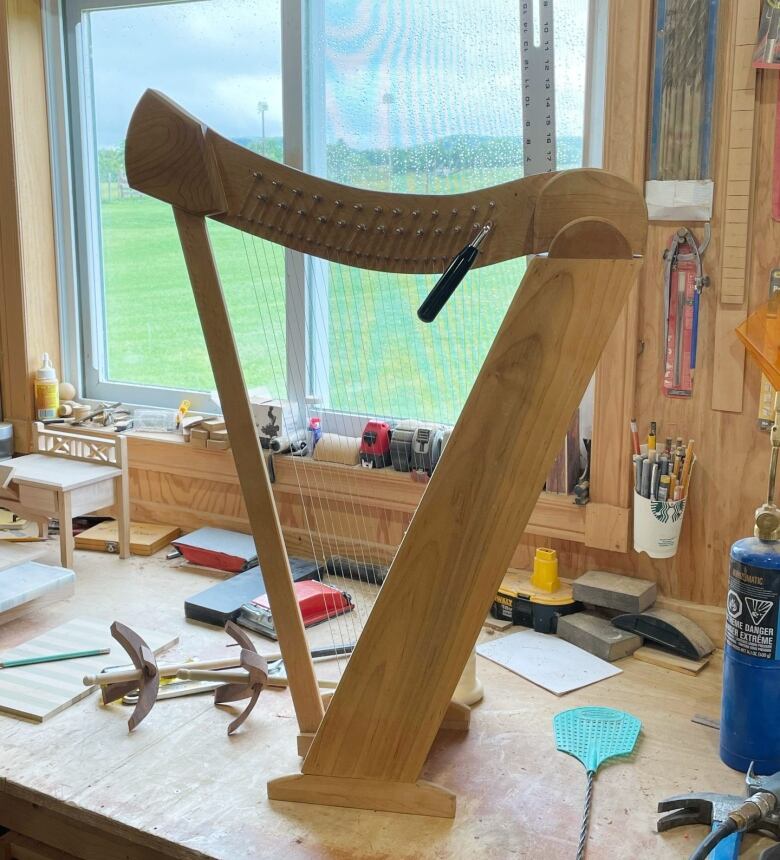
x=171, y=155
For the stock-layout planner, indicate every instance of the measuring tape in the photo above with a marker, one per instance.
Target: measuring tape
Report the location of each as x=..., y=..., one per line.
x=538, y=79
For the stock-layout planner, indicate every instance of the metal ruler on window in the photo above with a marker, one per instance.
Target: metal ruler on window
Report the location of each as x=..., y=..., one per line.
x=538, y=80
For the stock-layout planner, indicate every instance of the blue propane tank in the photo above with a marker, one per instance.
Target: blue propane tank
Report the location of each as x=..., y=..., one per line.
x=750, y=709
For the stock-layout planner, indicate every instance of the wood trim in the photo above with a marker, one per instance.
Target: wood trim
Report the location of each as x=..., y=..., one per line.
x=170, y=481
x=735, y=183
x=628, y=79
x=29, y=319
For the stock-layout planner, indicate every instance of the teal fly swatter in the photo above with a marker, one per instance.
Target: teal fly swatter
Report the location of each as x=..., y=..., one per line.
x=594, y=735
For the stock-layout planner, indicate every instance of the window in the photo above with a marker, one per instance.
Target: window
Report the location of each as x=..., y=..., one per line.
x=405, y=96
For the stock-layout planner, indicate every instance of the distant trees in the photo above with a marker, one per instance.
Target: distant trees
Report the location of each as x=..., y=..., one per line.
x=439, y=158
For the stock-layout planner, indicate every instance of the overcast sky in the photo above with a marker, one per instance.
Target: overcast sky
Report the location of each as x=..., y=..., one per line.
x=450, y=66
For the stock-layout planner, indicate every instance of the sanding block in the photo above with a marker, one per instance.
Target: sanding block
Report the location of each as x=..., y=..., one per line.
x=668, y=629
x=598, y=636
x=614, y=591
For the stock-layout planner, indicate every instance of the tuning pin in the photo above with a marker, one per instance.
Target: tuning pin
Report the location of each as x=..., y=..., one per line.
x=420, y=233
x=396, y=211
x=358, y=207
x=378, y=210
x=415, y=213
x=399, y=230
x=301, y=211
x=435, y=213
x=322, y=219
x=492, y=204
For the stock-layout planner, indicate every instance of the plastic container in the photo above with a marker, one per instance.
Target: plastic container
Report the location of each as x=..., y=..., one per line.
x=47, y=390
x=657, y=526
x=749, y=727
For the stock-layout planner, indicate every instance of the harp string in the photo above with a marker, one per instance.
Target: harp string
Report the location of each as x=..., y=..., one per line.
x=433, y=370
x=279, y=385
x=325, y=525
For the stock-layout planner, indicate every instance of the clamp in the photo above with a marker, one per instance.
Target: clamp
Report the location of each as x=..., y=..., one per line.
x=684, y=237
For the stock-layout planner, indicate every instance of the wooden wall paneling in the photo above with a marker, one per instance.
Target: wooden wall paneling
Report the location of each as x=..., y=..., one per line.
x=29, y=320
x=735, y=136
x=628, y=74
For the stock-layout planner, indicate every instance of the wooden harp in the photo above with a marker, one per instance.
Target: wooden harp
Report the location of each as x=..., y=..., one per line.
x=588, y=229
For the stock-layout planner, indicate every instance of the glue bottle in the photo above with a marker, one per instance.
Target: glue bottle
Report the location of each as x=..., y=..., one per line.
x=47, y=390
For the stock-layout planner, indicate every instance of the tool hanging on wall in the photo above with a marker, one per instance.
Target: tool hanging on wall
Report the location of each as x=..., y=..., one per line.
x=684, y=280
x=766, y=397
x=767, y=53
x=683, y=77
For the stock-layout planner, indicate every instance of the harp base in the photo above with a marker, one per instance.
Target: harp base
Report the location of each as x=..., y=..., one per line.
x=457, y=718
x=411, y=798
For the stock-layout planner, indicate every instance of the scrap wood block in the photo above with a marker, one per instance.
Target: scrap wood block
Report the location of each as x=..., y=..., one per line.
x=613, y=591
x=217, y=445
x=198, y=441
x=665, y=660
x=213, y=424
x=199, y=433
x=597, y=636
x=218, y=435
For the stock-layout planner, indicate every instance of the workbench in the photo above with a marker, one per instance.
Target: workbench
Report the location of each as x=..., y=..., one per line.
x=179, y=787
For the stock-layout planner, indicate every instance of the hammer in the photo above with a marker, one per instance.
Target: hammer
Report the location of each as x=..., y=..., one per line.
x=728, y=816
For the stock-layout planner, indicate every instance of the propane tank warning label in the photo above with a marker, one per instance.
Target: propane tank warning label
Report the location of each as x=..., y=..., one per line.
x=751, y=610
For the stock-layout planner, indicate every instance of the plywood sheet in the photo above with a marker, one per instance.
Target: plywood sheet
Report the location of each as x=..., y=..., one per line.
x=39, y=692
x=145, y=538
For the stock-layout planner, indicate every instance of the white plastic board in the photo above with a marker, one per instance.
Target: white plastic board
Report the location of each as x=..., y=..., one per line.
x=547, y=661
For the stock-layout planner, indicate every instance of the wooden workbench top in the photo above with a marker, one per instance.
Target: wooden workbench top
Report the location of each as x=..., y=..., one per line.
x=179, y=787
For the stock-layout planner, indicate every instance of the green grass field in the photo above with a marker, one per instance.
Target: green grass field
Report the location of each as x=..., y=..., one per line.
x=380, y=358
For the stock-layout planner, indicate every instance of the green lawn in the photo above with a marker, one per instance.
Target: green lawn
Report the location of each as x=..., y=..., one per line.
x=382, y=360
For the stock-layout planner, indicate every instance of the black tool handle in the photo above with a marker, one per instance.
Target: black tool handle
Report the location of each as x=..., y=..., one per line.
x=447, y=284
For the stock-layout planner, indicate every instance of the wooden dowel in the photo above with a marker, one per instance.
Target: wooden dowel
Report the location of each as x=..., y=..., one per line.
x=241, y=677
x=124, y=676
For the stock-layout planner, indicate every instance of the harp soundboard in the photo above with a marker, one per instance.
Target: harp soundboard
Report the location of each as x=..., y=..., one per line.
x=587, y=231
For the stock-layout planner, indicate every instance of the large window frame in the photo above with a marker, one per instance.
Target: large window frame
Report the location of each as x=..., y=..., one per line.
x=78, y=223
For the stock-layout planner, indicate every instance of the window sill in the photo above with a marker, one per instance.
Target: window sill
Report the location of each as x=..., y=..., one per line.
x=168, y=468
